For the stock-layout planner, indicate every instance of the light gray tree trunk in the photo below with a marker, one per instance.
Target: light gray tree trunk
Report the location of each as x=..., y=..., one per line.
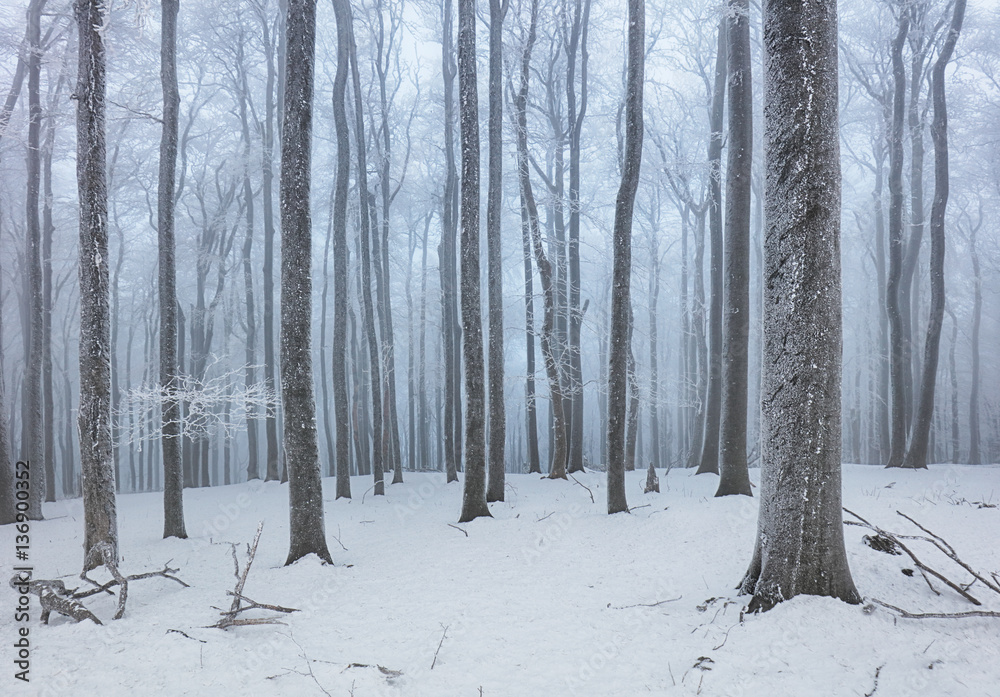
x=621, y=313
x=977, y=316
x=734, y=477
x=305, y=486
x=800, y=541
x=898, y=369
x=94, y=418
x=474, y=489
x=917, y=455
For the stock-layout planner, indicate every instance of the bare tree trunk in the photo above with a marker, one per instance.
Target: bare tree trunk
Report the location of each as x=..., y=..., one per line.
x=977, y=316
x=8, y=514
x=342, y=9
x=897, y=368
x=94, y=420
x=474, y=490
x=735, y=478
x=575, y=116
x=713, y=400
x=367, y=262
x=534, y=462
x=305, y=486
x=916, y=456
x=33, y=447
x=447, y=263
x=494, y=263
x=621, y=313
x=800, y=541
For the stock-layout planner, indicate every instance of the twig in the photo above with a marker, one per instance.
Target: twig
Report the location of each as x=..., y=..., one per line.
x=337, y=538
x=165, y=573
x=545, y=517
x=254, y=605
x=443, y=635
x=661, y=602
x=459, y=529
x=949, y=551
x=725, y=638
x=636, y=508
x=936, y=615
x=366, y=493
x=875, y=686
x=241, y=579
x=585, y=487
x=177, y=631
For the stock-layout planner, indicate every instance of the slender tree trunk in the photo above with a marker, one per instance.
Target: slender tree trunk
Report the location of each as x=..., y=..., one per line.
x=897, y=367
x=621, y=313
x=342, y=9
x=447, y=263
x=531, y=426
x=494, y=263
x=977, y=315
x=916, y=456
x=33, y=447
x=735, y=478
x=94, y=420
x=713, y=400
x=800, y=541
x=305, y=486
x=654, y=379
x=8, y=513
x=367, y=262
x=474, y=490
x=48, y=404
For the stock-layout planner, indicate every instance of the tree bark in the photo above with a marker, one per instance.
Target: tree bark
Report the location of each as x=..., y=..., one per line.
x=342, y=10
x=494, y=262
x=621, y=312
x=800, y=541
x=94, y=419
x=917, y=455
x=713, y=400
x=897, y=367
x=975, y=456
x=735, y=478
x=474, y=490
x=305, y=486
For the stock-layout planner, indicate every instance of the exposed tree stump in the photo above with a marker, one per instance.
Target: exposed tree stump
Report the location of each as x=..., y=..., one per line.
x=652, y=481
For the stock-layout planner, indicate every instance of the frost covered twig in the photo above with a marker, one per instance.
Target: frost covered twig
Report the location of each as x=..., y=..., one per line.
x=936, y=615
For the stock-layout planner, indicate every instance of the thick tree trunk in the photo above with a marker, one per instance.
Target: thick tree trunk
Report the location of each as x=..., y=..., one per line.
x=800, y=541
x=713, y=399
x=917, y=455
x=474, y=490
x=494, y=262
x=621, y=312
x=342, y=10
x=94, y=419
x=305, y=486
x=898, y=369
x=734, y=477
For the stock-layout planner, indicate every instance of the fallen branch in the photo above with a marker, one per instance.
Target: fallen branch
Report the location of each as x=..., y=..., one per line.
x=875, y=686
x=936, y=615
x=230, y=617
x=949, y=552
x=443, y=635
x=924, y=569
x=166, y=572
x=459, y=529
x=585, y=487
x=53, y=596
x=656, y=604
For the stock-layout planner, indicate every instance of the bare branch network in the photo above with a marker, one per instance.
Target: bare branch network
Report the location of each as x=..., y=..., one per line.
x=220, y=404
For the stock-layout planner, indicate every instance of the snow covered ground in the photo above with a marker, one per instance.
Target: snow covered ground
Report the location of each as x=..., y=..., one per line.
x=550, y=598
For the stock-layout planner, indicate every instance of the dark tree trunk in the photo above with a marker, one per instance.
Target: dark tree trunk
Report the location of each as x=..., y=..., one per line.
x=713, y=398
x=734, y=477
x=916, y=456
x=33, y=447
x=800, y=541
x=575, y=116
x=632, y=425
x=7, y=474
x=342, y=9
x=94, y=419
x=621, y=312
x=305, y=486
x=367, y=262
x=474, y=490
x=898, y=370
x=447, y=263
x=494, y=262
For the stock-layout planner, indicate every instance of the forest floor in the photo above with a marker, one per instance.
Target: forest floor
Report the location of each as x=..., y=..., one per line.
x=550, y=598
